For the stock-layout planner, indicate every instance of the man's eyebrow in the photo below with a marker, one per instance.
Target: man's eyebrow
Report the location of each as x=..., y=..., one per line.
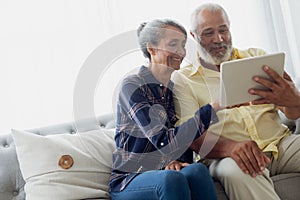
x=208, y=29
x=223, y=26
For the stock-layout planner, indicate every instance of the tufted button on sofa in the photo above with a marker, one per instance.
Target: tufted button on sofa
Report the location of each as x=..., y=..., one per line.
x=12, y=183
x=11, y=180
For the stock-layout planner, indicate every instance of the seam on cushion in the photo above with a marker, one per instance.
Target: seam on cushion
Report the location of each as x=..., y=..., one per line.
x=285, y=178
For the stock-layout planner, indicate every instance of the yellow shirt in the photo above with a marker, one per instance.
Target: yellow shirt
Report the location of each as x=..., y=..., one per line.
x=196, y=86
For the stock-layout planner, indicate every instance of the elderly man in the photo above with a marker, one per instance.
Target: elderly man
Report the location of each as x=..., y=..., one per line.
x=248, y=144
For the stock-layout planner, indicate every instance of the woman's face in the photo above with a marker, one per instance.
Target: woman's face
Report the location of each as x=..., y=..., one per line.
x=171, y=48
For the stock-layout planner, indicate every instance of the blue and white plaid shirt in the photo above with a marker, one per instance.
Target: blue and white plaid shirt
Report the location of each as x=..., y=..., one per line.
x=146, y=136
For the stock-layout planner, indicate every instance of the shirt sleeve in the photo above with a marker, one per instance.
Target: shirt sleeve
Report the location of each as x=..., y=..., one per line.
x=185, y=102
x=151, y=120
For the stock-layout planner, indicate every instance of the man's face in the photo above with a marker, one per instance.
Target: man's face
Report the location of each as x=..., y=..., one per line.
x=214, y=37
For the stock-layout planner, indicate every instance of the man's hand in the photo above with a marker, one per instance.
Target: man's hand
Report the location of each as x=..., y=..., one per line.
x=282, y=91
x=176, y=165
x=249, y=157
x=246, y=154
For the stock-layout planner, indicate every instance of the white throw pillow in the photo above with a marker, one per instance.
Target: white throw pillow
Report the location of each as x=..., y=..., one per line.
x=65, y=166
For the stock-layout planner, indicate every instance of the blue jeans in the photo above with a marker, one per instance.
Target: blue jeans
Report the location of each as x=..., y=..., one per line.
x=190, y=183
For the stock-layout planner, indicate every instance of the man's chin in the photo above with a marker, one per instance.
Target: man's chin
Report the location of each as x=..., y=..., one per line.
x=211, y=60
x=216, y=59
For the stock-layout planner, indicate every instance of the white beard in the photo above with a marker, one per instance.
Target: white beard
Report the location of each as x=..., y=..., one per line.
x=211, y=59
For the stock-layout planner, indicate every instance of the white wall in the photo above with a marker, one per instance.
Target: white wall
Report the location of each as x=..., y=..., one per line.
x=294, y=28
x=44, y=44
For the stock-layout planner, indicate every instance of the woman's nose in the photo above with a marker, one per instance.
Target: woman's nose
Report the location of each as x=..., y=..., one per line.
x=181, y=51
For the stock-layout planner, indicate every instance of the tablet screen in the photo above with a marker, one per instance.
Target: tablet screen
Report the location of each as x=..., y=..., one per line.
x=236, y=77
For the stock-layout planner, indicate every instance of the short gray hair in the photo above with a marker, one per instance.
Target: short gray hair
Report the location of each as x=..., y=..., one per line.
x=153, y=31
x=207, y=6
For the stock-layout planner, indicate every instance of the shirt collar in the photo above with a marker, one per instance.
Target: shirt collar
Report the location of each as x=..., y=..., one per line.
x=146, y=74
x=198, y=68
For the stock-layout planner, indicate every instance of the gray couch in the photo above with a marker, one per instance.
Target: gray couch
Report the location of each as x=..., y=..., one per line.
x=12, y=183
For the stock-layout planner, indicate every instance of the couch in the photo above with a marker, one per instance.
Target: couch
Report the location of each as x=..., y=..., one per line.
x=12, y=182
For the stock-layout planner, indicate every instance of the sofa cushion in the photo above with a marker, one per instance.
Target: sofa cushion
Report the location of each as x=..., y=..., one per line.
x=287, y=185
x=65, y=166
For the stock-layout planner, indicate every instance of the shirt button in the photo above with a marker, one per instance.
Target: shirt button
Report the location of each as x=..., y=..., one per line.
x=65, y=161
x=162, y=144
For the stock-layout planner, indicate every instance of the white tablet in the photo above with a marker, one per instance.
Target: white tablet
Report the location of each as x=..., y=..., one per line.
x=236, y=77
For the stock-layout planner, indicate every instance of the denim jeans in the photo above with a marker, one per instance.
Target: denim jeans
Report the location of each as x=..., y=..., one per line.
x=190, y=183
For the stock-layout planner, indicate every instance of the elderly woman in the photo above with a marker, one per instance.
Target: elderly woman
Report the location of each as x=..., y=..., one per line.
x=152, y=157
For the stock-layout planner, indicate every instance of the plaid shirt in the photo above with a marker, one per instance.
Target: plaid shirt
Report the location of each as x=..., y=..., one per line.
x=146, y=136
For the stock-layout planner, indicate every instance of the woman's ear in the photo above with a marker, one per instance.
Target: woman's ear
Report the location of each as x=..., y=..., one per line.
x=150, y=49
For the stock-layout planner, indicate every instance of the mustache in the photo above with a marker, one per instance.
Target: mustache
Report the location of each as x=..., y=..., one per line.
x=218, y=45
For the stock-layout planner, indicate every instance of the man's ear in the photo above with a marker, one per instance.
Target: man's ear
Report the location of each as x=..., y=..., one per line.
x=150, y=48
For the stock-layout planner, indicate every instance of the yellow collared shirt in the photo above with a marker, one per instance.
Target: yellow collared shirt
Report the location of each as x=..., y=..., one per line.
x=196, y=86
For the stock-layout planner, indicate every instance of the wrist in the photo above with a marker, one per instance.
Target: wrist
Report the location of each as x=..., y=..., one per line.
x=216, y=106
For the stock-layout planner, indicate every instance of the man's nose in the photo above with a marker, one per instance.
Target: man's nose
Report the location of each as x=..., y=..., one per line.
x=217, y=38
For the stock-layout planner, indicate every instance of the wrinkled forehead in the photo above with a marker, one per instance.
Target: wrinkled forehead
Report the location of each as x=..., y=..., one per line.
x=211, y=19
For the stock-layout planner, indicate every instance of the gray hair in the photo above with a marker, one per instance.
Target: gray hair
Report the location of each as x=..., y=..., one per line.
x=207, y=6
x=153, y=31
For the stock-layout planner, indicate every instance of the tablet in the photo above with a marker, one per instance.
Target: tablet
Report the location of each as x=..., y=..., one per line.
x=236, y=77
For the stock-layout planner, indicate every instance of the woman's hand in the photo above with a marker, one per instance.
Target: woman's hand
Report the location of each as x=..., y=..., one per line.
x=239, y=105
x=176, y=165
x=216, y=106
